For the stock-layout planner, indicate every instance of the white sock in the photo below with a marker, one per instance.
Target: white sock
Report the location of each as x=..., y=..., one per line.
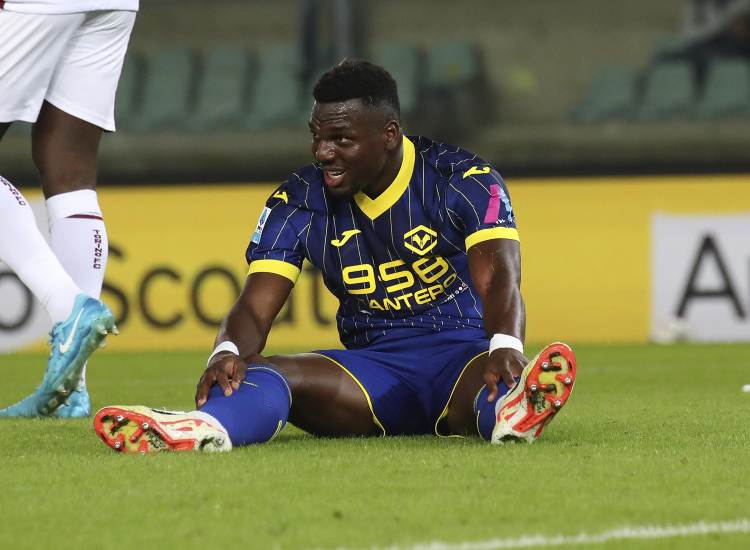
x=24, y=249
x=79, y=239
x=208, y=418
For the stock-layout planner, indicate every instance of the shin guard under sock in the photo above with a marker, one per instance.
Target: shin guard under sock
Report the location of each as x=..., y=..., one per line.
x=257, y=411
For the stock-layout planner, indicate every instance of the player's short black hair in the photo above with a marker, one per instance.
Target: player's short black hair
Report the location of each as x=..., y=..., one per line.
x=358, y=79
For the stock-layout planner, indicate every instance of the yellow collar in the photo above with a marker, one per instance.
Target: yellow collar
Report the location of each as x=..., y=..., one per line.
x=375, y=207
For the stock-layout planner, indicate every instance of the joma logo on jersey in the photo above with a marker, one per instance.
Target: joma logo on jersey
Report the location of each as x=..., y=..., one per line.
x=345, y=236
x=476, y=171
x=281, y=195
x=420, y=240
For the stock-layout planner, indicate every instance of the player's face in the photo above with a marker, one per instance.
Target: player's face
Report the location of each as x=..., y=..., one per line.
x=354, y=146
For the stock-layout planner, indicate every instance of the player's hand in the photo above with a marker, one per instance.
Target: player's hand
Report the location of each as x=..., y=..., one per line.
x=503, y=364
x=225, y=369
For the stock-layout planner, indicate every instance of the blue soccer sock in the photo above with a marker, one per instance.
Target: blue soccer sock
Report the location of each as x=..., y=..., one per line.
x=257, y=411
x=485, y=410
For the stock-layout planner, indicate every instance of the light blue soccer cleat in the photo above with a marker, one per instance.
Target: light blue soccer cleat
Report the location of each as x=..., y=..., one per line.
x=78, y=404
x=72, y=342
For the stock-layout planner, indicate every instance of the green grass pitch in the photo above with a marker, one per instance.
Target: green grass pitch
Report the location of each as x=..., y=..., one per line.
x=651, y=436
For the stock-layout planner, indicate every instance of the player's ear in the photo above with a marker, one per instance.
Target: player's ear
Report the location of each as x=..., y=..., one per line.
x=392, y=135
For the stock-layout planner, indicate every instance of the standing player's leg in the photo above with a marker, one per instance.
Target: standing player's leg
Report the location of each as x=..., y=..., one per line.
x=80, y=322
x=309, y=390
x=24, y=250
x=521, y=413
x=29, y=51
x=78, y=106
x=65, y=150
x=30, y=70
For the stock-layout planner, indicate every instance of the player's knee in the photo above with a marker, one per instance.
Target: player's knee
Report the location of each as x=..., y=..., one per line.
x=62, y=169
x=58, y=177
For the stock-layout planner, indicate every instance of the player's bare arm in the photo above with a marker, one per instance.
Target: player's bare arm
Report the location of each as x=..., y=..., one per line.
x=246, y=325
x=495, y=267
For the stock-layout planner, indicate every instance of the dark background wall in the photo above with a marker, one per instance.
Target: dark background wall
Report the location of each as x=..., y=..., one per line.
x=214, y=91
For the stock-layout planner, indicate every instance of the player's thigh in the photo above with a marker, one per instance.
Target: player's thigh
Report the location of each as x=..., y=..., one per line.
x=79, y=102
x=460, y=419
x=84, y=83
x=326, y=400
x=30, y=49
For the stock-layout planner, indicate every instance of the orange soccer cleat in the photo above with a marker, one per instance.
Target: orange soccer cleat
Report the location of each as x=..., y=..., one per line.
x=145, y=430
x=544, y=387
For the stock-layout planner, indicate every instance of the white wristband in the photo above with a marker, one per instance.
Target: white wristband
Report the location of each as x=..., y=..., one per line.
x=505, y=341
x=226, y=345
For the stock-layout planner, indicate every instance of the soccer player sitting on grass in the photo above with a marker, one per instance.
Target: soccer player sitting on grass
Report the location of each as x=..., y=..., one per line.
x=418, y=241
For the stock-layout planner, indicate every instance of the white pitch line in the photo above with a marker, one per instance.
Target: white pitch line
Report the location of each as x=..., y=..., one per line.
x=636, y=532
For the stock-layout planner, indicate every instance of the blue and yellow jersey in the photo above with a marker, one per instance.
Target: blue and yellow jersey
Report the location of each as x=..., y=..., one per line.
x=398, y=260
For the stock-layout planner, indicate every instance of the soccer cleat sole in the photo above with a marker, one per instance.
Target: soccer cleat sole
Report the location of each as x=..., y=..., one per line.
x=128, y=431
x=546, y=384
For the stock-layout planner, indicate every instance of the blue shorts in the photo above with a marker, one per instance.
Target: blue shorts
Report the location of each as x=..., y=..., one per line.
x=409, y=379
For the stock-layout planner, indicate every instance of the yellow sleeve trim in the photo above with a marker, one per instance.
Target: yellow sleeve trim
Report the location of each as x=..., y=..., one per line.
x=278, y=267
x=492, y=233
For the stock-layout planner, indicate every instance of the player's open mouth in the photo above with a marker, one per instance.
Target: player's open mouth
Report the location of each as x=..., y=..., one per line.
x=333, y=176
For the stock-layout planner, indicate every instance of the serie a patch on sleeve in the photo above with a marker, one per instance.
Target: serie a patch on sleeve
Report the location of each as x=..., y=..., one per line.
x=261, y=224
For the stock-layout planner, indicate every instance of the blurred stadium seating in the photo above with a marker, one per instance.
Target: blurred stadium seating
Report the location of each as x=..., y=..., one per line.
x=550, y=88
x=228, y=87
x=669, y=92
x=405, y=63
x=611, y=96
x=727, y=91
x=277, y=94
x=222, y=89
x=166, y=98
x=666, y=91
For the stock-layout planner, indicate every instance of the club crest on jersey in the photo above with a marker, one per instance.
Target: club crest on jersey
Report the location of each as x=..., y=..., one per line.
x=420, y=240
x=261, y=224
